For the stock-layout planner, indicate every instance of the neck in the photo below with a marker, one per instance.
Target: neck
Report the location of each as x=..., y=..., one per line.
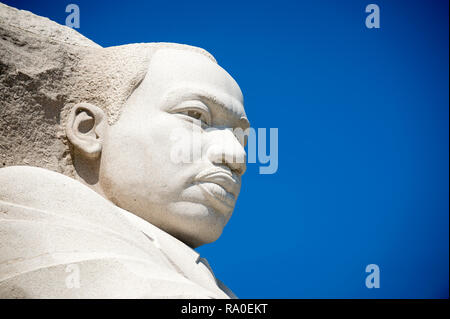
x=87, y=172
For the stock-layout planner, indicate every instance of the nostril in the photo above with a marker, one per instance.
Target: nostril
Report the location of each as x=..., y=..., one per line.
x=237, y=168
x=241, y=170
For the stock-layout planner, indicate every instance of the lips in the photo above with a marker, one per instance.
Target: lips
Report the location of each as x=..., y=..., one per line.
x=220, y=185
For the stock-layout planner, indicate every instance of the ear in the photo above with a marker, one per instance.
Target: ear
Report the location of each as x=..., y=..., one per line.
x=85, y=128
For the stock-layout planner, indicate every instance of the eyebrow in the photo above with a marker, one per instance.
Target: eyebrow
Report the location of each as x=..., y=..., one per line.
x=202, y=95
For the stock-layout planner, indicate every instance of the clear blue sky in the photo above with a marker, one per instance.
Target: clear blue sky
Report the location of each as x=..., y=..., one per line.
x=363, y=120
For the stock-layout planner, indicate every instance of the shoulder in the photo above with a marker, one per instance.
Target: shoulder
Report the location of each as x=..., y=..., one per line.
x=60, y=239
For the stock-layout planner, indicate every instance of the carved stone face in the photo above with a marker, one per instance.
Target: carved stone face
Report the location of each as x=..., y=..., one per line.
x=192, y=201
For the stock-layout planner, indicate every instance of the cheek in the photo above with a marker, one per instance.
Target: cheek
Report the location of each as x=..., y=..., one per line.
x=170, y=134
x=136, y=160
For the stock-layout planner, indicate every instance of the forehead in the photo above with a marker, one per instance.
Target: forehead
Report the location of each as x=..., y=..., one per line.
x=183, y=73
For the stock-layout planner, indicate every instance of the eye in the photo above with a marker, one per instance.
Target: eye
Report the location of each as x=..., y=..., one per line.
x=199, y=115
x=193, y=110
x=195, y=114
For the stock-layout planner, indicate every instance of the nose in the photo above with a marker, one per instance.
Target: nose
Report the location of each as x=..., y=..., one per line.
x=224, y=148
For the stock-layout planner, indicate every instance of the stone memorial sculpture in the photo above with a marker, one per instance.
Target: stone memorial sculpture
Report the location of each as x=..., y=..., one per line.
x=92, y=204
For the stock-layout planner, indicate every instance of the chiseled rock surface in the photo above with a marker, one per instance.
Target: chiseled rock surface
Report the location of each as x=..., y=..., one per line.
x=35, y=56
x=26, y=22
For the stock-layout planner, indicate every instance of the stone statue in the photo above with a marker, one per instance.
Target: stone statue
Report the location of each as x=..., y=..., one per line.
x=91, y=203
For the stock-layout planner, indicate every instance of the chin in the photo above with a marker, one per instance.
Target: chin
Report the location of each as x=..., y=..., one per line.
x=195, y=224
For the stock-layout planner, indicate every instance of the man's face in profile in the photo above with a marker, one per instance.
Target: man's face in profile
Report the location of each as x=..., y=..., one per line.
x=191, y=200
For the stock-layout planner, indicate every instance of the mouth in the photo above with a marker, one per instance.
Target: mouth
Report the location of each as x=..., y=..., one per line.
x=221, y=187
